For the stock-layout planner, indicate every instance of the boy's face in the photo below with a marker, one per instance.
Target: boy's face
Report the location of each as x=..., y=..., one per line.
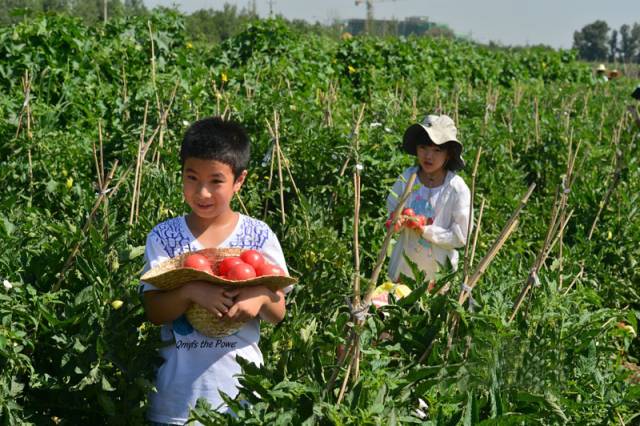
x=208, y=186
x=432, y=158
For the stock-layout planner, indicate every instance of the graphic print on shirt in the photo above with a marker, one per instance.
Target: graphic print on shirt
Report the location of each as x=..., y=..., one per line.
x=421, y=205
x=253, y=234
x=172, y=237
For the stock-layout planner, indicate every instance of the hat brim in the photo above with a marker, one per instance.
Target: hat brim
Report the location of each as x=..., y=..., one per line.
x=418, y=134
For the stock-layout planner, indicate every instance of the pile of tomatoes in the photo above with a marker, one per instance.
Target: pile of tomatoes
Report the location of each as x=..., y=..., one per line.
x=408, y=219
x=250, y=264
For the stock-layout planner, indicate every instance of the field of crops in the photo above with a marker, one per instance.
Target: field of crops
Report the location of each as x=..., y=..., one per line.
x=90, y=125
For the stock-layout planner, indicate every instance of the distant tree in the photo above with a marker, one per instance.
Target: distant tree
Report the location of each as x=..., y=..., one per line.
x=613, y=46
x=218, y=25
x=440, y=31
x=591, y=41
x=635, y=42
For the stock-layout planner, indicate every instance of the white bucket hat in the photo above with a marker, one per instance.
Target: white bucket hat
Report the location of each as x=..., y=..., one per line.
x=438, y=129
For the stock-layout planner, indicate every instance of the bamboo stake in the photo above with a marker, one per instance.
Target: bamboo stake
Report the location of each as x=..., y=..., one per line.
x=497, y=245
x=473, y=192
x=615, y=178
x=575, y=279
x=125, y=94
x=354, y=340
x=103, y=194
x=276, y=122
x=244, y=208
x=486, y=261
x=355, y=134
x=146, y=146
x=634, y=114
x=536, y=120
x=276, y=151
x=414, y=106
x=477, y=233
x=531, y=279
x=356, y=243
x=285, y=161
x=273, y=153
x=562, y=225
x=137, y=173
x=356, y=261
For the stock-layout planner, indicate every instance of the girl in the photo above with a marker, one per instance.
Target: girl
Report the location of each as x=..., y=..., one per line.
x=439, y=194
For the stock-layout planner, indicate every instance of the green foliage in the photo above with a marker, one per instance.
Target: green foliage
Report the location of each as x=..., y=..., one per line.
x=72, y=356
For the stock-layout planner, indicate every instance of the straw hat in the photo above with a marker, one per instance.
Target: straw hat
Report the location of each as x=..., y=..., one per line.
x=601, y=67
x=170, y=274
x=439, y=129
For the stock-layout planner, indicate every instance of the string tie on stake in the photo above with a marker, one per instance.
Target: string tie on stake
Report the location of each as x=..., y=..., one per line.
x=360, y=311
x=359, y=167
x=472, y=302
x=267, y=155
x=534, y=279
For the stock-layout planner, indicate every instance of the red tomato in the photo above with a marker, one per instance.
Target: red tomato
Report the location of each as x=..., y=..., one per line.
x=197, y=261
x=241, y=272
x=387, y=224
x=252, y=257
x=269, y=269
x=227, y=263
x=408, y=212
x=415, y=222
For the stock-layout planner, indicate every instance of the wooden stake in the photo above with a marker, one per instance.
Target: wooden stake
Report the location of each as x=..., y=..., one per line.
x=477, y=233
x=497, y=245
x=103, y=194
x=473, y=191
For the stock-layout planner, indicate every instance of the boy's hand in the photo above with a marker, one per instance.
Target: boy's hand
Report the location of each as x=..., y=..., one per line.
x=214, y=298
x=248, y=302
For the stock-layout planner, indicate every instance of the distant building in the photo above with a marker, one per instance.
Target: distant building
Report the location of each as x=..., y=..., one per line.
x=416, y=25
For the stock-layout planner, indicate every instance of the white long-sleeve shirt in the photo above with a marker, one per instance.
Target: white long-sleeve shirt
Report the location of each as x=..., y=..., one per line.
x=448, y=206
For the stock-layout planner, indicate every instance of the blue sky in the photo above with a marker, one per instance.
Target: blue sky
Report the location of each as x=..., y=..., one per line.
x=550, y=22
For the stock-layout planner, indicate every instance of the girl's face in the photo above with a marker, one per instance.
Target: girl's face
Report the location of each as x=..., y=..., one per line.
x=208, y=187
x=432, y=158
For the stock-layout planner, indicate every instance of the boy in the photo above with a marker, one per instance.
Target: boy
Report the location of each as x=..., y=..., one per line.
x=214, y=156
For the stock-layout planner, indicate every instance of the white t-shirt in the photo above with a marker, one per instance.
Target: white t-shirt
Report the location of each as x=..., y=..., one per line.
x=196, y=366
x=448, y=206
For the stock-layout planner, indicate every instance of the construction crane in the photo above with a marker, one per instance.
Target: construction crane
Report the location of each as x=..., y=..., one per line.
x=368, y=27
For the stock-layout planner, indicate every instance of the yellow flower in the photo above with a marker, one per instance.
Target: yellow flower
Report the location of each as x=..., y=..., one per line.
x=351, y=69
x=383, y=288
x=609, y=235
x=69, y=182
x=189, y=45
x=401, y=291
x=117, y=304
x=224, y=77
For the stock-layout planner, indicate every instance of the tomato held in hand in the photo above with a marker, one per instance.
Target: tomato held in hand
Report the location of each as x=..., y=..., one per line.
x=197, y=261
x=227, y=263
x=414, y=222
x=252, y=257
x=408, y=212
x=241, y=272
x=269, y=269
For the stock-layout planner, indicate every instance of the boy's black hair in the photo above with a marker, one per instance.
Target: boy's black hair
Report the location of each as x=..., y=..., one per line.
x=454, y=150
x=217, y=139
